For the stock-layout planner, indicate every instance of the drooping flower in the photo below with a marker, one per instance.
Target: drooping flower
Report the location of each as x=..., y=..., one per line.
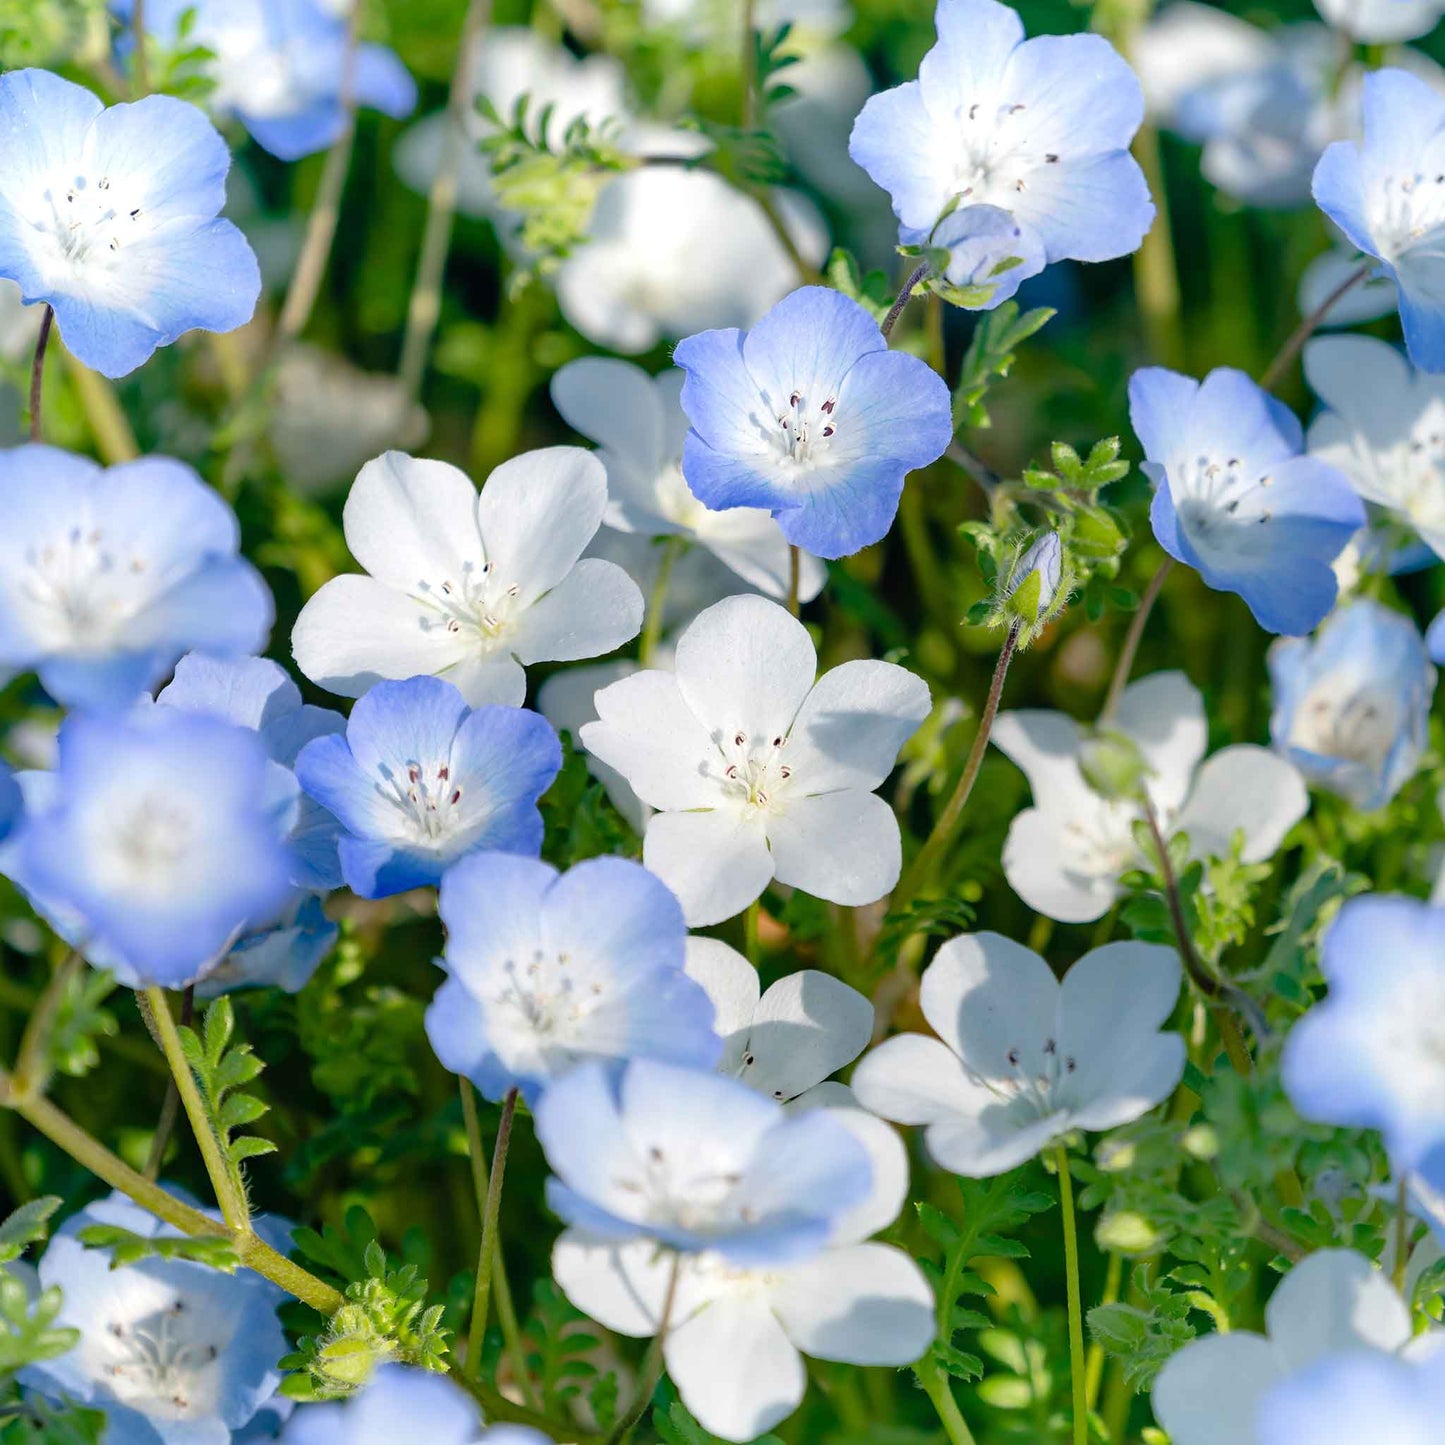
x=696, y=1163
x=989, y=255
x=468, y=588
x=1352, y=705
x=111, y=216
x=758, y=772
x=545, y=970
x=640, y=427
x=1038, y=128
x=108, y=575
x=1066, y=854
x=809, y=415
x=1347, y=1398
x=419, y=780
x=1021, y=1059
x=1235, y=498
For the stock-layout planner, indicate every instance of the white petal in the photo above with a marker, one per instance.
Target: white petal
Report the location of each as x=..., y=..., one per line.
x=615, y=404
x=589, y=613
x=886, y=1154
x=992, y=1141
x=716, y=862
x=1164, y=714
x=1331, y=1302
x=807, y=1026
x=1045, y=746
x=647, y=732
x=913, y=1079
x=731, y=982
x=844, y=847
x=496, y=681
x=621, y=1286
x=1243, y=787
x=1209, y=1392
x=1047, y=868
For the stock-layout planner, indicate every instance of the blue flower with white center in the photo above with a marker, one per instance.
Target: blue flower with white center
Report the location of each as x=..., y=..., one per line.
x=1235, y=498
x=279, y=66
x=107, y=576
x=812, y=417
x=419, y=780
x=1347, y=1398
x=112, y=216
x=11, y=802
x=1372, y=1054
x=547, y=969
x=989, y=255
x=174, y=1352
x=1387, y=194
x=696, y=1162
x=1038, y=128
x=157, y=842
x=1352, y=704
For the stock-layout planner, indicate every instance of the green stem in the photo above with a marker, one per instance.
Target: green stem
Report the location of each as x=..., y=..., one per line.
x=652, y=1363
x=936, y=1387
x=171, y=1106
x=109, y=426
x=1402, y=1232
x=657, y=600
x=1076, y=1310
x=1094, y=1373
x=491, y=1214
x=1156, y=269
x=32, y=1065
x=142, y=71
x=1125, y=665
x=37, y=373
x=752, y=948
x=795, y=574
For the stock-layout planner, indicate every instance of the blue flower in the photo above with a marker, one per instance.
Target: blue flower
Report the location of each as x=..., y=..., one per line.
x=1344, y=1399
x=1369, y=1056
x=11, y=802
x=159, y=839
x=111, y=215
x=1037, y=128
x=1235, y=499
x=419, y=780
x=108, y=576
x=1386, y=194
x=1352, y=705
x=810, y=416
x=174, y=1352
x=547, y=969
x=696, y=1162
x=279, y=67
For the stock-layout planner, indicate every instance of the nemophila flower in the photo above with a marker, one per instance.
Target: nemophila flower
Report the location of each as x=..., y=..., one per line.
x=464, y=587
x=1352, y=705
x=1038, y=128
x=161, y=838
x=1021, y=1059
x=786, y=1041
x=758, y=772
x=989, y=255
x=1348, y=1398
x=419, y=780
x=1372, y=1054
x=280, y=66
x=1381, y=22
x=12, y=804
x=1385, y=194
x=1331, y=1303
x=566, y=701
x=1235, y=498
x=1066, y=854
x=108, y=575
x=737, y=1334
x=111, y=215
x=546, y=969
x=174, y=1352
x=810, y=415
x=639, y=426
x=696, y=1163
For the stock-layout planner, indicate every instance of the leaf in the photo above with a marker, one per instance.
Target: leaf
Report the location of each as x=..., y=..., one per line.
x=126, y=1247
x=26, y=1226
x=991, y=352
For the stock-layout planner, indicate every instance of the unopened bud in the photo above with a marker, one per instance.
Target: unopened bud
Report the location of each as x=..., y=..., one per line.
x=1034, y=581
x=1113, y=766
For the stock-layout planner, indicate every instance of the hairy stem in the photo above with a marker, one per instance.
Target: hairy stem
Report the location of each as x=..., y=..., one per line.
x=904, y=296
x=37, y=373
x=1274, y=372
x=936, y=1387
x=1125, y=665
x=171, y=1106
x=1077, y=1370
x=491, y=1213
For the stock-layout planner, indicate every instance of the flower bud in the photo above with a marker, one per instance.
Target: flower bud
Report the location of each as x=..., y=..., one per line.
x=1127, y=1232
x=1034, y=580
x=1113, y=766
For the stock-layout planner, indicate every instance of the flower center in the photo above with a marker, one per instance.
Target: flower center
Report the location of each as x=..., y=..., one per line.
x=695, y=1193
x=428, y=800
x=87, y=221
x=996, y=153
x=752, y=772
x=80, y=587
x=1409, y=214
x=548, y=999
x=1032, y=1078
x=1211, y=491
x=1359, y=725
x=478, y=605
x=806, y=428
x=162, y=1365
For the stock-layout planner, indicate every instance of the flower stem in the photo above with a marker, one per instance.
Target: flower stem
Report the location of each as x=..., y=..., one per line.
x=171, y=1106
x=142, y=65
x=936, y=1387
x=1094, y=1371
x=903, y=298
x=795, y=573
x=1077, y=1371
x=1156, y=269
x=1125, y=665
x=491, y=1213
x=32, y=1065
x=1274, y=372
x=652, y=1363
x=1402, y=1232
x=657, y=600
x=752, y=917
x=37, y=372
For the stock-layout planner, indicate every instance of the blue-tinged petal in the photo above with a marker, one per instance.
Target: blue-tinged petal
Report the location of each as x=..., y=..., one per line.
x=1080, y=97
x=1093, y=210
x=1422, y=308
x=44, y=121
x=1339, y=191
x=11, y=801
x=248, y=691
x=456, y=1026
x=102, y=684
x=381, y=868
x=893, y=405
x=840, y=510
x=329, y=774
x=224, y=606
x=401, y=724
x=503, y=760
x=723, y=479
x=491, y=904
x=976, y=39
x=1263, y=429
x=722, y=400
x=383, y=83
x=298, y=133
x=1404, y=119
x=806, y=345
x=899, y=144
x=1160, y=402
x=175, y=150
x=616, y=908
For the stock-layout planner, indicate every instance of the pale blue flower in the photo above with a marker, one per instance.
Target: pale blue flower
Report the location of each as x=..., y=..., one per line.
x=547, y=969
x=419, y=780
x=811, y=416
x=1345, y=1399
x=112, y=216
x=1352, y=704
x=990, y=254
x=108, y=576
x=696, y=1162
x=1235, y=498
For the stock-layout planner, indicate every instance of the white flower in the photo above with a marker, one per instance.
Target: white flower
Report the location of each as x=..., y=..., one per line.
x=1024, y=1059
x=1381, y=22
x=1065, y=855
x=565, y=700
x=758, y=773
x=465, y=588
x=639, y=427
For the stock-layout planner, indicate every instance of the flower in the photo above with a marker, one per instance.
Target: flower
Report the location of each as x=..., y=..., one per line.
x=566, y=701
x=810, y=415
x=1037, y=128
x=173, y=1351
x=1023, y=1059
x=162, y=835
x=280, y=66
x=639, y=425
x=419, y=780
x=1383, y=428
x=757, y=771
x=1332, y=1301
x=1383, y=193
x=696, y=1163
x=464, y=587
x=546, y=969
x=1066, y=854
x=1356, y=1397
x=1352, y=705
x=1381, y=22
x=737, y=1335
x=1235, y=499
x=108, y=575
x=989, y=255
x=110, y=215
x=1372, y=1054
x=786, y=1042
